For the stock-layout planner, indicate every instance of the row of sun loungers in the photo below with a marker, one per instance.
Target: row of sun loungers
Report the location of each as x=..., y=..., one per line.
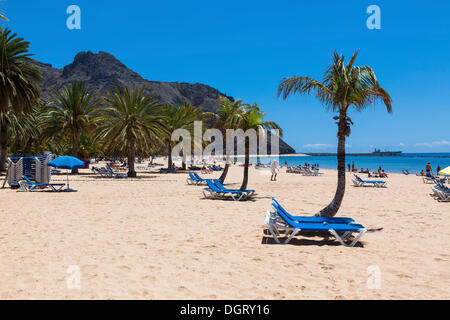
x=441, y=191
x=358, y=182
x=148, y=167
x=281, y=223
x=108, y=173
x=303, y=171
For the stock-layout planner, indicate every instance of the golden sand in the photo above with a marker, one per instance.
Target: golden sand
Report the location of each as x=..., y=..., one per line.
x=155, y=237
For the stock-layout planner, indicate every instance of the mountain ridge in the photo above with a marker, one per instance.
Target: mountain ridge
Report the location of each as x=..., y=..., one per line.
x=103, y=72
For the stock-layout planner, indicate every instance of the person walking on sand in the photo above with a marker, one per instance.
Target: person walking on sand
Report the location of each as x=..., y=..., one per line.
x=274, y=170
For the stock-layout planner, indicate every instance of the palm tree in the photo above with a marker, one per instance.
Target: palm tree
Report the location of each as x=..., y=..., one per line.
x=69, y=113
x=227, y=117
x=18, y=88
x=36, y=141
x=2, y=17
x=180, y=116
x=21, y=129
x=251, y=118
x=343, y=86
x=131, y=121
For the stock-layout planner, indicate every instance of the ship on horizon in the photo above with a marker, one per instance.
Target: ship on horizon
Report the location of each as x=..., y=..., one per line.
x=378, y=152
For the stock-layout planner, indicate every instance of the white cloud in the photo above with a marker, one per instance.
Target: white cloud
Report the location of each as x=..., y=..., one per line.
x=317, y=146
x=433, y=144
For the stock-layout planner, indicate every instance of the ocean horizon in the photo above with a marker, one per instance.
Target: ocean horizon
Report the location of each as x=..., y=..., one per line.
x=414, y=162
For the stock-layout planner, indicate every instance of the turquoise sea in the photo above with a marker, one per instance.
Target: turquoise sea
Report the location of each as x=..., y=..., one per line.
x=414, y=162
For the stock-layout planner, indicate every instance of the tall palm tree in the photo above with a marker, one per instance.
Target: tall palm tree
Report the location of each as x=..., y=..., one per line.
x=344, y=86
x=18, y=88
x=180, y=116
x=251, y=118
x=131, y=121
x=227, y=117
x=70, y=112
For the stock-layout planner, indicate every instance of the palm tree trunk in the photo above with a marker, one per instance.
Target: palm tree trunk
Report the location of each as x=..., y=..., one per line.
x=183, y=162
x=28, y=146
x=3, y=145
x=246, y=164
x=131, y=158
x=75, y=147
x=224, y=173
x=169, y=162
x=225, y=170
x=333, y=207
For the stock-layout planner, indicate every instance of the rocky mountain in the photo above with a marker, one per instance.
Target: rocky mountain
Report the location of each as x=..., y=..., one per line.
x=103, y=72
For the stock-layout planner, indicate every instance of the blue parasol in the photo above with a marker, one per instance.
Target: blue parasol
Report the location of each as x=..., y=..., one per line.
x=66, y=162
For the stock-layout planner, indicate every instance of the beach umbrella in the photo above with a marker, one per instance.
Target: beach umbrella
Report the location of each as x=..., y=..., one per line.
x=67, y=162
x=445, y=171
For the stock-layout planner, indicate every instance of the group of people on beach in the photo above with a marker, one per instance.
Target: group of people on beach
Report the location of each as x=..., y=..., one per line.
x=429, y=170
x=379, y=173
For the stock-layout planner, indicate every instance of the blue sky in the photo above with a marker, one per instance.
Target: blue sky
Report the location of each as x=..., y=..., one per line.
x=243, y=48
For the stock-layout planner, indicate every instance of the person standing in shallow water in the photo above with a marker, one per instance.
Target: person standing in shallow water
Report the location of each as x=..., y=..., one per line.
x=428, y=168
x=438, y=169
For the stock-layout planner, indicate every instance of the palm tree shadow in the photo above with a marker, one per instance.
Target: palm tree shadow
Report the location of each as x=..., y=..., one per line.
x=375, y=229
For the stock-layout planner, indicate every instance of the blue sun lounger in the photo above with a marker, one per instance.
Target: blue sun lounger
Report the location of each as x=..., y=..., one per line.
x=305, y=219
x=195, y=179
x=215, y=192
x=191, y=179
x=221, y=187
x=358, y=182
x=429, y=178
x=441, y=191
x=280, y=221
x=27, y=185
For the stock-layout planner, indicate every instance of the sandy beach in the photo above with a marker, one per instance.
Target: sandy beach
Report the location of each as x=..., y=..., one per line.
x=155, y=237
